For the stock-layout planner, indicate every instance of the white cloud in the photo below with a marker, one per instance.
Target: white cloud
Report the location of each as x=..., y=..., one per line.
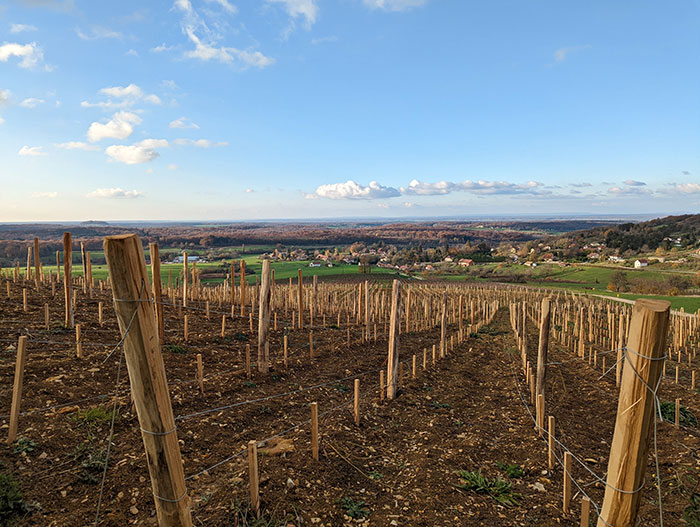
x=45, y=195
x=111, y=193
x=120, y=126
x=633, y=183
x=97, y=32
x=183, y=122
x=628, y=190
x=225, y=5
x=685, y=188
x=127, y=96
x=353, y=190
x=18, y=28
x=132, y=52
x=172, y=166
x=561, y=54
x=183, y=5
x=306, y=9
x=33, y=151
x=161, y=48
x=2, y=121
x=422, y=188
x=207, y=52
x=249, y=191
x=323, y=40
x=31, y=102
x=199, y=143
x=30, y=54
x=4, y=97
x=76, y=145
x=135, y=154
x=394, y=5
x=169, y=84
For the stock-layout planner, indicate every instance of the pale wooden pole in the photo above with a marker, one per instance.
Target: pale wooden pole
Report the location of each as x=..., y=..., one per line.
x=149, y=387
x=543, y=347
x=67, y=285
x=443, y=325
x=300, y=295
x=184, y=279
x=635, y=412
x=392, y=368
x=254, y=479
x=157, y=289
x=314, y=430
x=37, y=263
x=243, y=284
x=356, y=402
x=264, y=320
x=17, y=388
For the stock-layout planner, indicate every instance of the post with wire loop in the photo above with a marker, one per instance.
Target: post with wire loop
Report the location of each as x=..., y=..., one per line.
x=644, y=355
x=149, y=387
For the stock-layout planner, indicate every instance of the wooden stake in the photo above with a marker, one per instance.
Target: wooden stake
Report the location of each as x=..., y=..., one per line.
x=157, y=289
x=286, y=364
x=254, y=479
x=264, y=319
x=635, y=411
x=46, y=316
x=393, y=356
x=585, y=511
x=78, y=342
x=100, y=313
x=149, y=386
x=568, y=482
x=67, y=273
x=356, y=405
x=314, y=430
x=542, y=349
x=17, y=388
x=550, y=444
x=200, y=373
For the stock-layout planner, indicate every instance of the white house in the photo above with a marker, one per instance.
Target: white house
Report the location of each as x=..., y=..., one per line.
x=638, y=264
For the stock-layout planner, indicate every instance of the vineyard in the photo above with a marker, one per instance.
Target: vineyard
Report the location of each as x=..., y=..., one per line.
x=128, y=401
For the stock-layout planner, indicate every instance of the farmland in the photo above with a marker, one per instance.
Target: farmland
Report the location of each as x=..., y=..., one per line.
x=460, y=385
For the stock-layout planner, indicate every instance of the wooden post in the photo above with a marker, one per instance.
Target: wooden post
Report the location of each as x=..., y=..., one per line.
x=247, y=361
x=37, y=263
x=311, y=344
x=149, y=386
x=78, y=342
x=585, y=511
x=264, y=319
x=157, y=289
x=314, y=430
x=187, y=332
x=17, y=388
x=443, y=324
x=67, y=273
x=568, y=482
x=100, y=313
x=254, y=479
x=542, y=349
x=184, y=279
x=381, y=385
x=356, y=405
x=286, y=364
x=242, y=280
x=200, y=373
x=300, y=295
x=25, y=305
x=392, y=369
x=46, y=316
x=678, y=413
x=550, y=443
x=635, y=411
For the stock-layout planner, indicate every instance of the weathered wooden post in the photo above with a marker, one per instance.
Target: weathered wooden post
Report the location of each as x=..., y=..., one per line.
x=149, y=387
x=392, y=369
x=254, y=489
x=67, y=285
x=264, y=319
x=184, y=279
x=300, y=294
x=17, y=388
x=37, y=263
x=635, y=412
x=157, y=289
x=242, y=280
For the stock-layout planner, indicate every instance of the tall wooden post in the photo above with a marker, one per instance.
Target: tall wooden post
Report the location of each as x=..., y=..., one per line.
x=300, y=295
x=17, y=388
x=443, y=324
x=67, y=285
x=184, y=279
x=264, y=319
x=157, y=289
x=149, y=387
x=37, y=263
x=635, y=412
x=242, y=280
x=542, y=347
x=392, y=369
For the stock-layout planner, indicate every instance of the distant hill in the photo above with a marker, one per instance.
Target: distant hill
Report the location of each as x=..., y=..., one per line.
x=682, y=232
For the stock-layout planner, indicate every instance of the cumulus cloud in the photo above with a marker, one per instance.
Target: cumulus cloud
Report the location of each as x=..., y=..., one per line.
x=141, y=152
x=628, y=191
x=199, y=143
x=685, y=188
x=30, y=55
x=633, y=183
x=76, y=145
x=126, y=96
x=352, y=190
x=306, y=9
x=45, y=195
x=561, y=54
x=581, y=185
x=114, y=193
x=31, y=102
x=182, y=123
x=206, y=41
x=394, y=5
x=161, y=48
x=422, y=188
x=32, y=151
x=120, y=126
x=18, y=28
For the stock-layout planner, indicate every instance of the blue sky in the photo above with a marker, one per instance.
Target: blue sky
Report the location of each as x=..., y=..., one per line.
x=225, y=109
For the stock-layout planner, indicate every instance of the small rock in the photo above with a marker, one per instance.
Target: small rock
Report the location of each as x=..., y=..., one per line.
x=133, y=510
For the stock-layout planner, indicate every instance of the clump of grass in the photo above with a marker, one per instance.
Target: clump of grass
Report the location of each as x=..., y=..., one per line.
x=174, y=348
x=11, y=501
x=686, y=417
x=355, y=509
x=437, y=405
x=240, y=337
x=92, y=463
x=512, y=471
x=499, y=489
x=243, y=516
x=342, y=388
x=691, y=514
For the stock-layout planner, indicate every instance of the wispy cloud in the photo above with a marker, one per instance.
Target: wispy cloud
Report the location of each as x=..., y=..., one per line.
x=324, y=40
x=98, y=32
x=76, y=145
x=305, y=9
x=114, y=193
x=199, y=143
x=31, y=102
x=19, y=28
x=633, y=183
x=561, y=54
x=122, y=97
x=32, y=151
x=183, y=123
x=44, y=195
x=394, y=5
